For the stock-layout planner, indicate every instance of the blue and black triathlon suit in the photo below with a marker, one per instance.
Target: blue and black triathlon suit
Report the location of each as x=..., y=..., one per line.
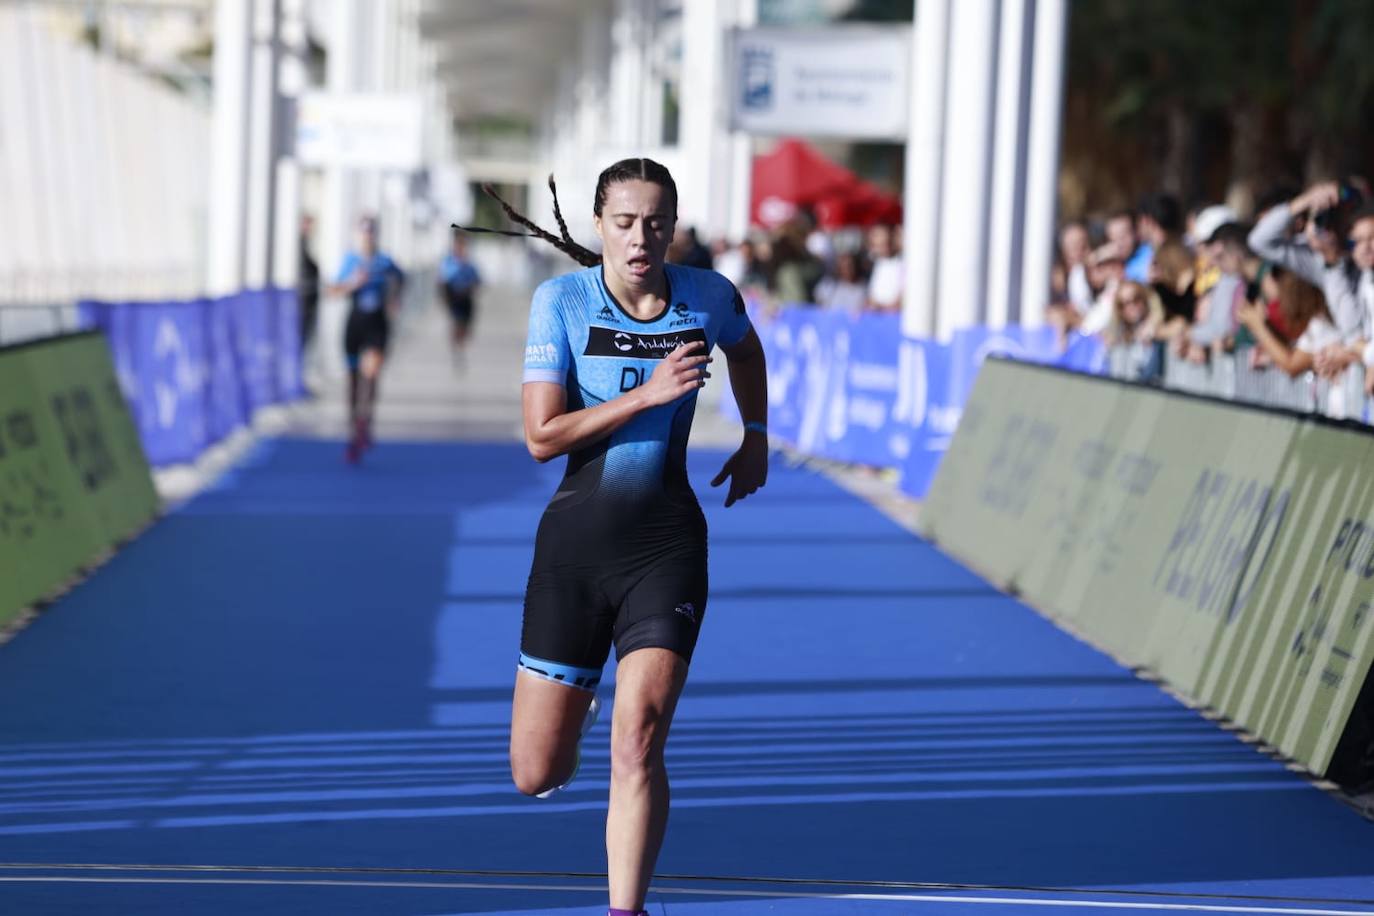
x=459, y=279
x=369, y=327
x=621, y=552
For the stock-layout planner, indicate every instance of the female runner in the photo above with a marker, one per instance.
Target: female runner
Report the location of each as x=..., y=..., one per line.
x=615, y=357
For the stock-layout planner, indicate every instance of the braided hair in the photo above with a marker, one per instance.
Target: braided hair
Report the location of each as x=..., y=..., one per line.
x=624, y=170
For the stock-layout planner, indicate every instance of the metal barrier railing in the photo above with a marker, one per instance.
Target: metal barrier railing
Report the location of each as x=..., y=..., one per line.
x=19, y=323
x=1239, y=377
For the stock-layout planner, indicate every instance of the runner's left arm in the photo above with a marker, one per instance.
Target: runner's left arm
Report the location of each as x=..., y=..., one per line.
x=395, y=282
x=747, y=468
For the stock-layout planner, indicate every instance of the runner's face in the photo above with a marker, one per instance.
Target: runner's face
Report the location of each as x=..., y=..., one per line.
x=635, y=226
x=367, y=239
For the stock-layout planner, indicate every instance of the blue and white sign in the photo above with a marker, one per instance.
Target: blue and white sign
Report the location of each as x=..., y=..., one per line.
x=851, y=388
x=194, y=371
x=840, y=80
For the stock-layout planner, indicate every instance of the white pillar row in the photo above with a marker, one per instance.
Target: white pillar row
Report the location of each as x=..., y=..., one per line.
x=651, y=107
x=41, y=181
x=260, y=145
x=716, y=160
x=291, y=82
x=741, y=144
x=628, y=73
x=1042, y=166
x=924, y=162
x=1007, y=215
x=229, y=149
x=966, y=177
x=702, y=58
x=340, y=202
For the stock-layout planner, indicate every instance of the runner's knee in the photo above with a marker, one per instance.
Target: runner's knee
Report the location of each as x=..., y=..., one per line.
x=533, y=773
x=636, y=750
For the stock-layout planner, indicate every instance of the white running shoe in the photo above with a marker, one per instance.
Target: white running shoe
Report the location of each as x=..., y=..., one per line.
x=593, y=711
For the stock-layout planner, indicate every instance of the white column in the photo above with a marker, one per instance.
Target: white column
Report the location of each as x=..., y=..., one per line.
x=627, y=74
x=338, y=206
x=741, y=146
x=339, y=199
x=924, y=161
x=1042, y=167
x=291, y=81
x=962, y=282
x=703, y=59
x=651, y=117
x=229, y=150
x=261, y=147
x=11, y=183
x=1007, y=217
x=41, y=181
x=717, y=161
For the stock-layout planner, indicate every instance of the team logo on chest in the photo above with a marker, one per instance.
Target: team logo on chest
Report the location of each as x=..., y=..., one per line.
x=682, y=316
x=629, y=345
x=606, y=314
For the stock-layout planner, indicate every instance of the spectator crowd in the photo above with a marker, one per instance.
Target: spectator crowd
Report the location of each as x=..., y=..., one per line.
x=799, y=263
x=1294, y=291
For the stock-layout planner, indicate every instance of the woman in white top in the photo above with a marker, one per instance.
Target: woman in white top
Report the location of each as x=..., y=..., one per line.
x=1305, y=312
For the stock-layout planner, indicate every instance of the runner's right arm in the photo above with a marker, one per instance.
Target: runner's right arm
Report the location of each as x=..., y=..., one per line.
x=551, y=430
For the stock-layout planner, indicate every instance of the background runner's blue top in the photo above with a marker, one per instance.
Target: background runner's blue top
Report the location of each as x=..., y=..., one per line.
x=381, y=270
x=459, y=276
x=581, y=338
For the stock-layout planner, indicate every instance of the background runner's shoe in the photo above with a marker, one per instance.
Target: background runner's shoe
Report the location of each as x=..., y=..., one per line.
x=593, y=711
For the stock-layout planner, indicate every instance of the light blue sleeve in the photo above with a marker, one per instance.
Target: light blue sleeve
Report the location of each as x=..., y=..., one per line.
x=548, y=356
x=350, y=264
x=736, y=325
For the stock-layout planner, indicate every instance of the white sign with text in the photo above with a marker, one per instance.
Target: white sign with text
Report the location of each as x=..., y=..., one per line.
x=362, y=130
x=841, y=81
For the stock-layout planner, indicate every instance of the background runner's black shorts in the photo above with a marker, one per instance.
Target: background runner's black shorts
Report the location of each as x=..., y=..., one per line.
x=460, y=306
x=366, y=331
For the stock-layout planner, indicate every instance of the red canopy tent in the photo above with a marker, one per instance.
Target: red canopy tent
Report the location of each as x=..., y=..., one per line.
x=795, y=175
x=863, y=204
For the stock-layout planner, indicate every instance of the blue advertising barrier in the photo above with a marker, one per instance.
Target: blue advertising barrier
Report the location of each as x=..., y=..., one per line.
x=851, y=388
x=193, y=371
x=225, y=408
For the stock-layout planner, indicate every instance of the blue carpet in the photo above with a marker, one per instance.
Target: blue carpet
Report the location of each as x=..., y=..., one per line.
x=311, y=666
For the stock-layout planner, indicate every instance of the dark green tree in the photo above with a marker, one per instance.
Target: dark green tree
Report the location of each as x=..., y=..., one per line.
x=1216, y=98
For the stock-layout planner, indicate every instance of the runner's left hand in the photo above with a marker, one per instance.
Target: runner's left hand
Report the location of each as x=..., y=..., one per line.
x=747, y=469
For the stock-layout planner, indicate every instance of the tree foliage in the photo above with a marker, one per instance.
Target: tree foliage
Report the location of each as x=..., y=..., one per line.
x=1214, y=97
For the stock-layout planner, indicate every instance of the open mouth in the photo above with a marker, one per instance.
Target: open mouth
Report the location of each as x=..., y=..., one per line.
x=640, y=263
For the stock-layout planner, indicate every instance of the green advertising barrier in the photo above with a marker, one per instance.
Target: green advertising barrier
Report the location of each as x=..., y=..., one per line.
x=1226, y=549
x=73, y=479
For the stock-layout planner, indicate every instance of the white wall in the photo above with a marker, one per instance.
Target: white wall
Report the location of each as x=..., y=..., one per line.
x=102, y=172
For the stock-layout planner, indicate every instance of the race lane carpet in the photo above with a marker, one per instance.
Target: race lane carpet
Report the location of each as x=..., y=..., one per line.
x=291, y=696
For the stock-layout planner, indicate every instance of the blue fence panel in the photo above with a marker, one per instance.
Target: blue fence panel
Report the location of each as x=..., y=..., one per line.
x=116, y=322
x=194, y=371
x=863, y=427
x=170, y=358
x=927, y=410
x=851, y=388
x=224, y=402
x=290, y=384
x=255, y=347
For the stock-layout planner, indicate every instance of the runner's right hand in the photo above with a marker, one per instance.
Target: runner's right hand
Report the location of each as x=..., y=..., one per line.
x=681, y=373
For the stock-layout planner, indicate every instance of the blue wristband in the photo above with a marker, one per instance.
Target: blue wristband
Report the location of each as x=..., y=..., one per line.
x=754, y=426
